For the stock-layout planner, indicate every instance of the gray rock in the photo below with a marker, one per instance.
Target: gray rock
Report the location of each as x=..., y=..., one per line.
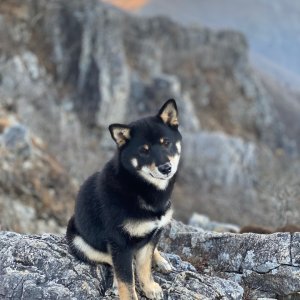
x=204, y=222
x=16, y=139
x=266, y=263
x=34, y=267
x=36, y=192
x=40, y=267
x=69, y=68
x=220, y=160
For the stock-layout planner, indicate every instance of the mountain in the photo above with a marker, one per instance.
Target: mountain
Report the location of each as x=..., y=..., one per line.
x=70, y=68
x=271, y=27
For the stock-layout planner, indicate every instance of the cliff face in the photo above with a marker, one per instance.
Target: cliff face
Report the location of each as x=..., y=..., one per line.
x=70, y=68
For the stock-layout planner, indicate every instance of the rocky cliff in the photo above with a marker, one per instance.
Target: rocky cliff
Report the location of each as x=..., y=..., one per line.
x=69, y=68
x=36, y=192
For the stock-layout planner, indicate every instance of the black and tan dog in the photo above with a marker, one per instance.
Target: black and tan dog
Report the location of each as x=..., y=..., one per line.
x=121, y=210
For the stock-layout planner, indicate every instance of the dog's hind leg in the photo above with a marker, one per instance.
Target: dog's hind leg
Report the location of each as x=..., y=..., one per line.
x=82, y=249
x=161, y=263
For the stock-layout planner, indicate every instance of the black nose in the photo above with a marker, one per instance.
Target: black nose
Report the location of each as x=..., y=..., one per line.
x=165, y=168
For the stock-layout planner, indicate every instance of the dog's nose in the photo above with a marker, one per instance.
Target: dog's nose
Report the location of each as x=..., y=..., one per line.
x=165, y=168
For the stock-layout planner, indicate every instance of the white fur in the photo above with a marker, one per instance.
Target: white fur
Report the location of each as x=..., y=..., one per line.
x=90, y=252
x=160, y=183
x=156, y=178
x=178, y=146
x=140, y=228
x=174, y=162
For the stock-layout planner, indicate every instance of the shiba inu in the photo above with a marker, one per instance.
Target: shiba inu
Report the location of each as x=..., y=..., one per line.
x=121, y=210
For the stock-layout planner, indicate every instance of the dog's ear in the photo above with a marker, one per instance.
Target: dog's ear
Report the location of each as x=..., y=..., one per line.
x=120, y=133
x=169, y=113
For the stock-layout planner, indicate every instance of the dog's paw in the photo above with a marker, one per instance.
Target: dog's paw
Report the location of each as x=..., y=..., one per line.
x=153, y=291
x=164, y=266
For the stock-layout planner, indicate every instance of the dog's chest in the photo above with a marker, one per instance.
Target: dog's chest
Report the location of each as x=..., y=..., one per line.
x=140, y=228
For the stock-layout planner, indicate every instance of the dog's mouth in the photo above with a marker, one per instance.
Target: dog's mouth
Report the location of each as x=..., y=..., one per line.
x=158, y=175
x=164, y=177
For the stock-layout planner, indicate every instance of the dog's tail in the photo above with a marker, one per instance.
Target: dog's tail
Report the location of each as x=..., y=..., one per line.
x=81, y=249
x=71, y=235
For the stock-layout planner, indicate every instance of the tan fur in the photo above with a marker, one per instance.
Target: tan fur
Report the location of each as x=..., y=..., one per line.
x=151, y=289
x=126, y=291
x=163, y=265
x=121, y=135
x=169, y=115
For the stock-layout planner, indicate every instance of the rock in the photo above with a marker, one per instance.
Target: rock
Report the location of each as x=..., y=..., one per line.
x=41, y=267
x=204, y=222
x=16, y=139
x=266, y=263
x=219, y=177
x=223, y=160
x=217, y=265
x=36, y=192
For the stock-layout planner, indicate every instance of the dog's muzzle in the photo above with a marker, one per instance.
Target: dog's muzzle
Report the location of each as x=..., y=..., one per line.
x=165, y=169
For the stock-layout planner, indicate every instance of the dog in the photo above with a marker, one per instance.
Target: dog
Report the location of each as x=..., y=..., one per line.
x=121, y=210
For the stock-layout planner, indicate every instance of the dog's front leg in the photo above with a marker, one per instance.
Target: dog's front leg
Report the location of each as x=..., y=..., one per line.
x=123, y=270
x=151, y=289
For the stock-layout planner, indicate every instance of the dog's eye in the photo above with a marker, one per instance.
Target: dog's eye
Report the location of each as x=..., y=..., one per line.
x=144, y=150
x=166, y=142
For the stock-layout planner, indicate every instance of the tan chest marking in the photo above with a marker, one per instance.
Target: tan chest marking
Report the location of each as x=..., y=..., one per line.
x=141, y=228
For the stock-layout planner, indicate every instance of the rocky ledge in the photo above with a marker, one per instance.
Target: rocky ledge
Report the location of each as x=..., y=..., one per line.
x=221, y=266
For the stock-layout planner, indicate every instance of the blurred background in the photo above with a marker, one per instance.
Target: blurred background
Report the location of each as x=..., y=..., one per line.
x=70, y=68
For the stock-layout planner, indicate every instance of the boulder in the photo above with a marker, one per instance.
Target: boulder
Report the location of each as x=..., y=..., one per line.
x=69, y=68
x=204, y=222
x=267, y=263
x=41, y=267
x=206, y=266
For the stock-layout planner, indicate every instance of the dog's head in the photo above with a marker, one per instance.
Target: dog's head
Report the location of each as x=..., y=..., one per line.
x=151, y=147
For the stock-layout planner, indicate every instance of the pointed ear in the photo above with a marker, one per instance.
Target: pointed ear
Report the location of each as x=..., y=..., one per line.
x=168, y=113
x=120, y=133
